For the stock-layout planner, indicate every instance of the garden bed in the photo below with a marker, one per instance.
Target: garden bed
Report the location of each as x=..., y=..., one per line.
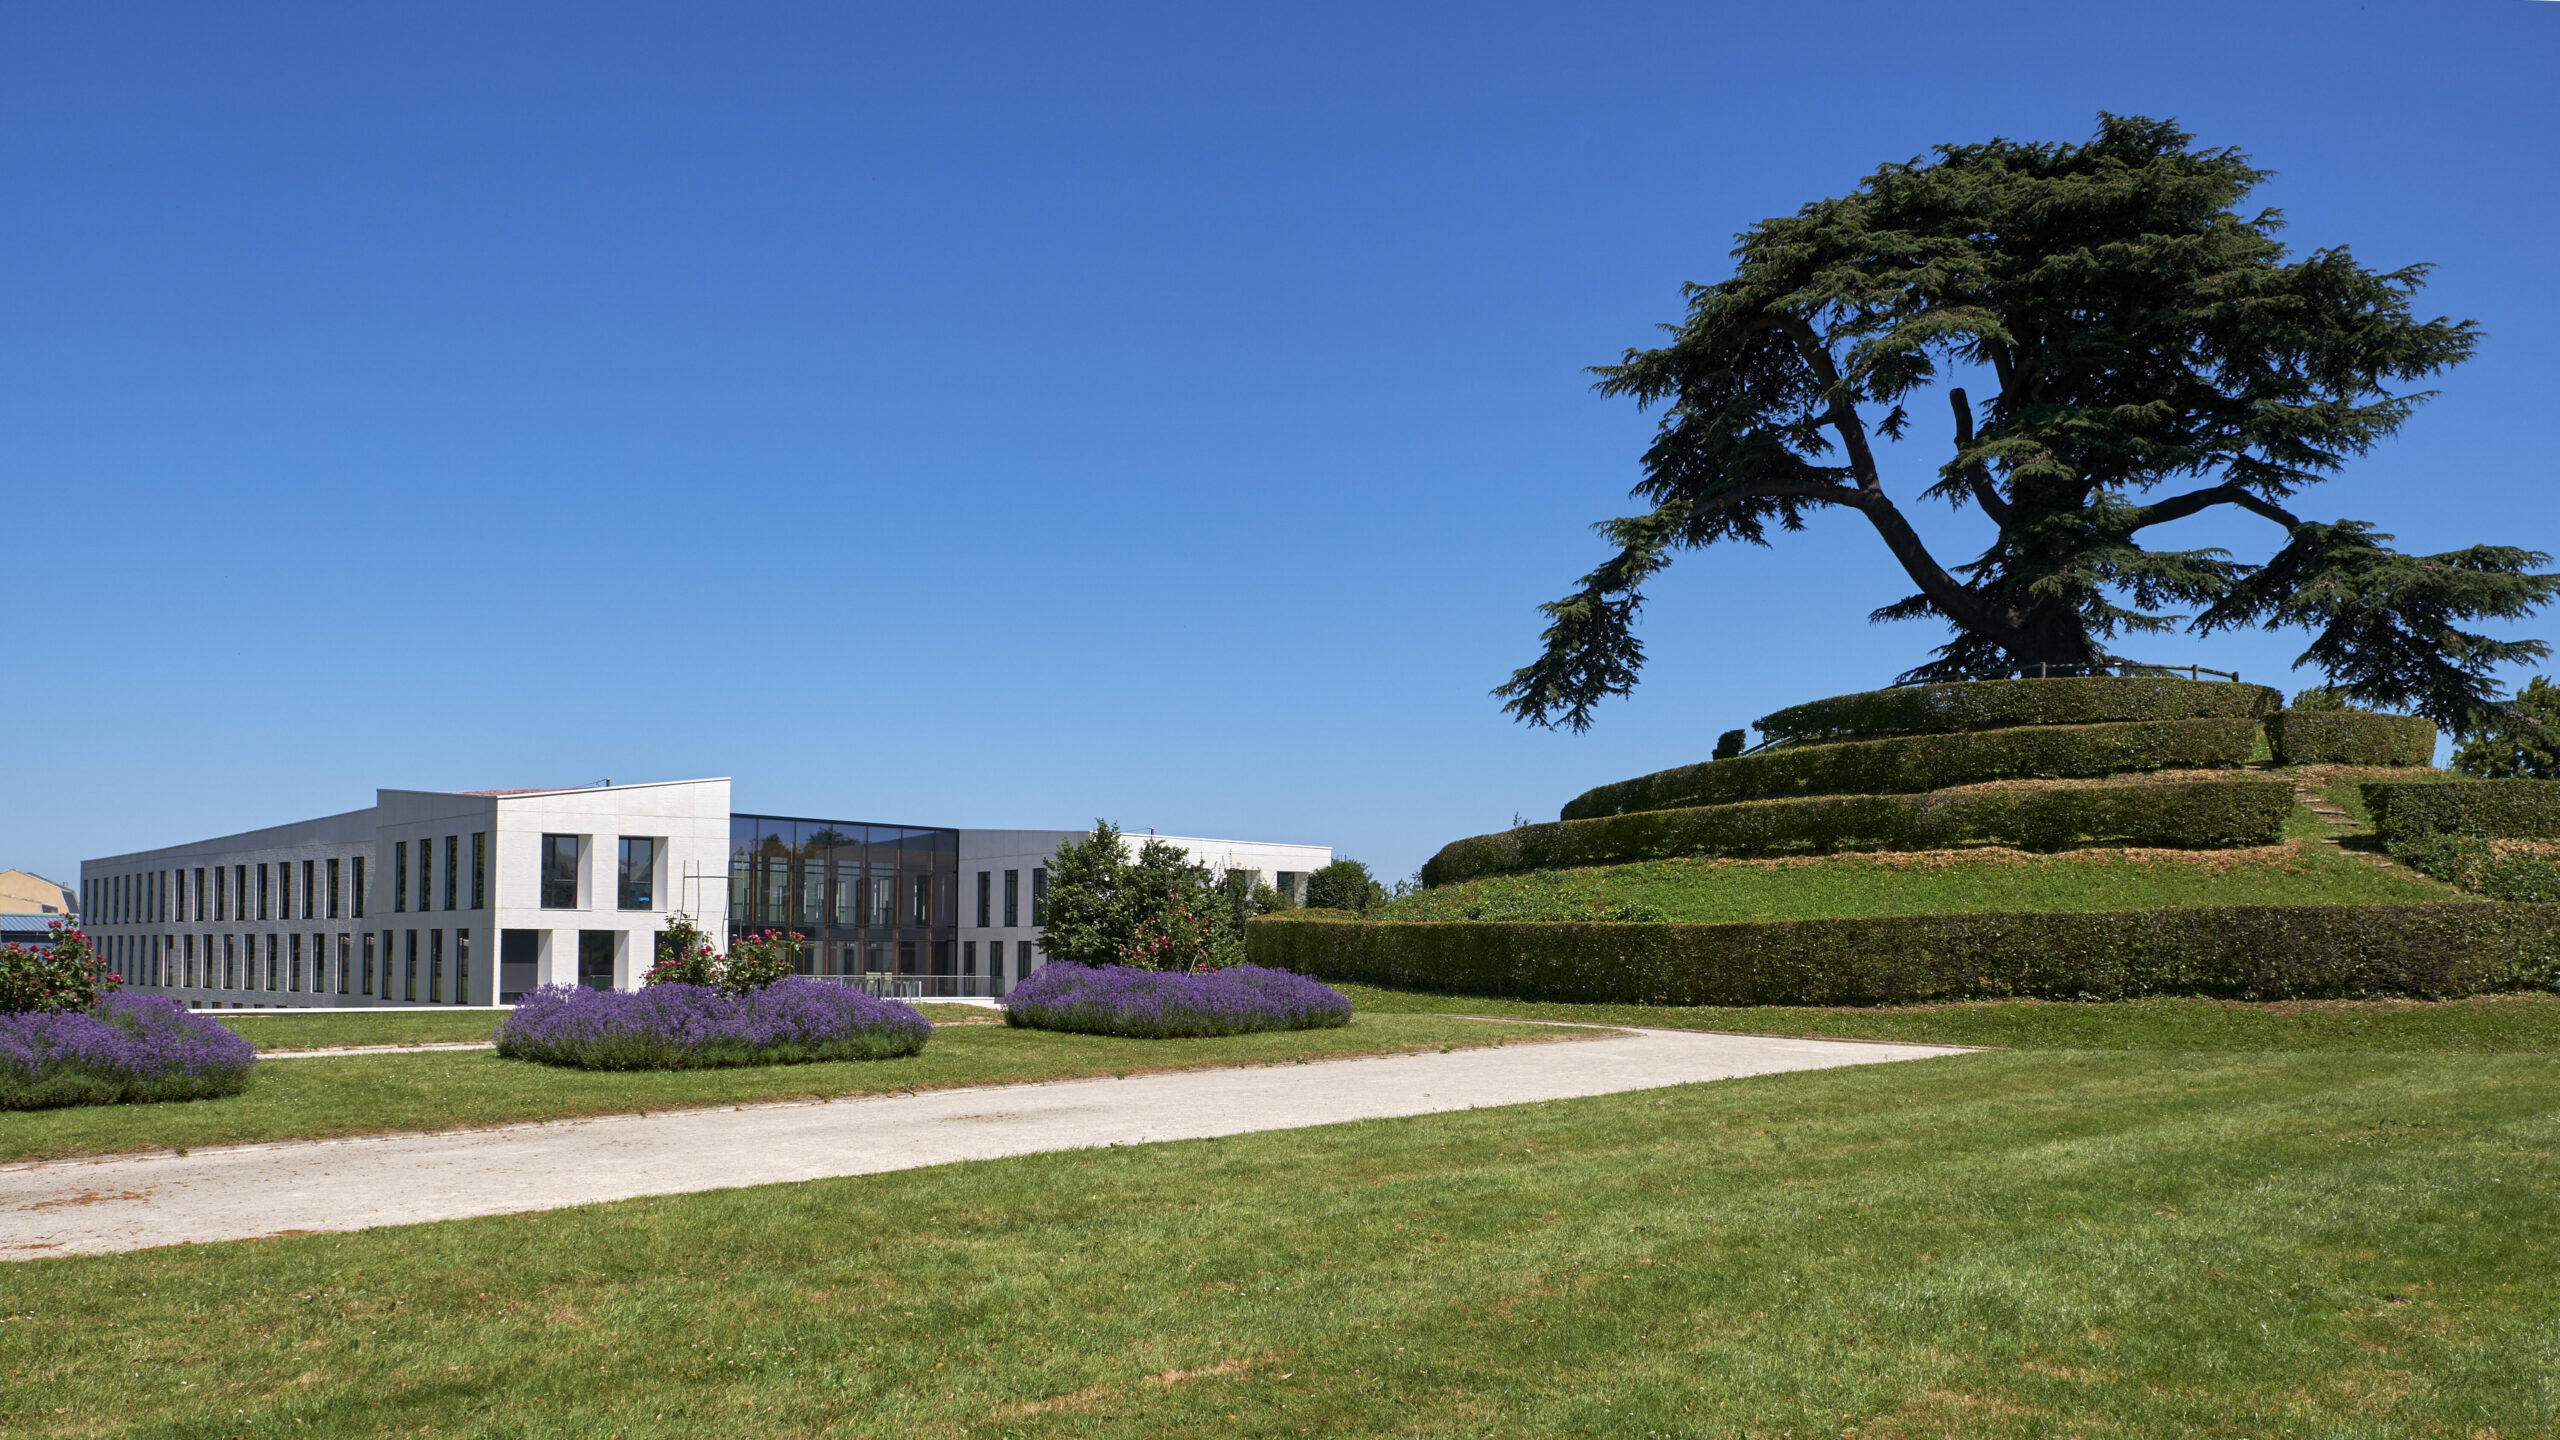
x=124, y=1049
x=681, y=1027
x=1162, y=1004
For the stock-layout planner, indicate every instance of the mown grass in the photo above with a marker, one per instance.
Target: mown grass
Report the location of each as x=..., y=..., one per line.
x=284, y=1030
x=2485, y=1024
x=322, y=1096
x=2300, y=871
x=2001, y=1244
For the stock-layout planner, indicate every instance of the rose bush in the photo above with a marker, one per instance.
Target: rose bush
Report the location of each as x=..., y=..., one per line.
x=60, y=978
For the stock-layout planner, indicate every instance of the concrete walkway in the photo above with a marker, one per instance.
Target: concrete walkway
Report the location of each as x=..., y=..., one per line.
x=76, y=1207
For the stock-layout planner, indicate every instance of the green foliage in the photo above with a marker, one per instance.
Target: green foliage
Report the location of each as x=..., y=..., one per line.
x=2351, y=737
x=759, y=960
x=61, y=977
x=1908, y=764
x=2322, y=700
x=2184, y=815
x=2142, y=331
x=1999, y=704
x=2487, y=809
x=1729, y=744
x=1344, y=885
x=2478, y=866
x=1159, y=910
x=2258, y=953
x=684, y=955
x=2521, y=739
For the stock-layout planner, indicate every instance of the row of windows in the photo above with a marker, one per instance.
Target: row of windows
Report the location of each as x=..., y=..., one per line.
x=426, y=872
x=1013, y=897
x=635, y=878
x=177, y=962
x=219, y=893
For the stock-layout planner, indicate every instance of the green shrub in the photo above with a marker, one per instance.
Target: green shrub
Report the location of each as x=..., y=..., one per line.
x=2266, y=952
x=2351, y=737
x=2490, y=809
x=2176, y=815
x=2476, y=866
x=2000, y=704
x=1912, y=763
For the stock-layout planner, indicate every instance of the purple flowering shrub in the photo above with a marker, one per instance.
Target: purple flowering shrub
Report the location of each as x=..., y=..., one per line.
x=675, y=1026
x=1162, y=1004
x=122, y=1050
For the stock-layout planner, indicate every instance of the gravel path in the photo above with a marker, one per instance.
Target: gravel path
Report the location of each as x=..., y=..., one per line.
x=74, y=1207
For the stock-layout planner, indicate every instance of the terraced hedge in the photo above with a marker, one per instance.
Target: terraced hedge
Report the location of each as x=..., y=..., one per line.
x=1909, y=764
x=2251, y=952
x=2347, y=737
x=1999, y=704
x=2488, y=809
x=2183, y=815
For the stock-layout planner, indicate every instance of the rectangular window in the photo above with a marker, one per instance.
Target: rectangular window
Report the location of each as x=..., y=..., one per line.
x=333, y=887
x=461, y=967
x=189, y=957
x=308, y=888
x=906, y=957
x=368, y=964
x=479, y=869
x=984, y=905
x=595, y=959
x=230, y=962
x=452, y=870
x=968, y=957
x=199, y=894
x=409, y=989
x=1040, y=897
x=274, y=956
x=639, y=867
x=1021, y=959
x=435, y=967
x=284, y=890
x=319, y=962
x=560, y=872
x=399, y=875
x=266, y=895
x=1012, y=898
x=346, y=954
x=178, y=892
x=884, y=896
x=923, y=894
x=293, y=973
x=426, y=875
x=357, y=888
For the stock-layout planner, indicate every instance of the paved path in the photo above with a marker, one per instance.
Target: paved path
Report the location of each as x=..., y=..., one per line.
x=330, y=1052
x=71, y=1207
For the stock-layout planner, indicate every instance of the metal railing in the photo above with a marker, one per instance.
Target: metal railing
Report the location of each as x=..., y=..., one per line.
x=2104, y=665
x=889, y=985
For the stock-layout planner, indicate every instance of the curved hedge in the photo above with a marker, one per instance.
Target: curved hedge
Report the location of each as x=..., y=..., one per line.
x=2491, y=809
x=2351, y=737
x=2000, y=704
x=1911, y=763
x=2175, y=815
x=2265, y=952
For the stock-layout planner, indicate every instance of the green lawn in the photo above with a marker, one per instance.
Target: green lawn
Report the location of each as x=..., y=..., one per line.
x=2485, y=1024
x=2014, y=1243
x=2298, y=872
x=324, y=1096
x=317, y=1029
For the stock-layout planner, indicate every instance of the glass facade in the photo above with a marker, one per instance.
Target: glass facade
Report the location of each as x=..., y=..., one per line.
x=863, y=898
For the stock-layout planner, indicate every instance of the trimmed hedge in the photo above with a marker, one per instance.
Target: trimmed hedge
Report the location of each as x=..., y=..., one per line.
x=2476, y=866
x=2351, y=737
x=2491, y=809
x=2177, y=815
x=1911, y=763
x=2000, y=704
x=2264, y=952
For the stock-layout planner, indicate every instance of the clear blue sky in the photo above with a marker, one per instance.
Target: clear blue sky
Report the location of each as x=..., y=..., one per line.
x=993, y=416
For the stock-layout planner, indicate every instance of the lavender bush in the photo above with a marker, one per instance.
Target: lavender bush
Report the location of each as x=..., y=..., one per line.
x=675, y=1026
x=123, y=1049
x=1160, y=1004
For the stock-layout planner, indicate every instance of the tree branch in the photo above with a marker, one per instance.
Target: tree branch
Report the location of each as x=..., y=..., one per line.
x=1985, y=494
x=2179, y=507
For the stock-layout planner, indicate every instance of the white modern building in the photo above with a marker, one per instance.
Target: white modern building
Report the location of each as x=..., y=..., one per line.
x=473, y=898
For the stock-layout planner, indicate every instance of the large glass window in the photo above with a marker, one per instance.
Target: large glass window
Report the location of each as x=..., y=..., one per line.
x=639, y=870
x=595, y=959
x=1039, y=896
x=559, y=872
x=1012, y=898
x=983, y=903
x=399, y=875
x=479, y=869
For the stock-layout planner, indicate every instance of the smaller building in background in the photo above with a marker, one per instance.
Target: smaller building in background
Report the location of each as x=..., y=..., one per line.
x=23, y=892
x=1004, y=878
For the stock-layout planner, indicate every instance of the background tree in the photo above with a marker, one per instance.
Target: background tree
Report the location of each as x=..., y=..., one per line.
x=1159, y=910
x=1344, y=885
x=2136, y=332
x=1086, y=923
x=2523, y=739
